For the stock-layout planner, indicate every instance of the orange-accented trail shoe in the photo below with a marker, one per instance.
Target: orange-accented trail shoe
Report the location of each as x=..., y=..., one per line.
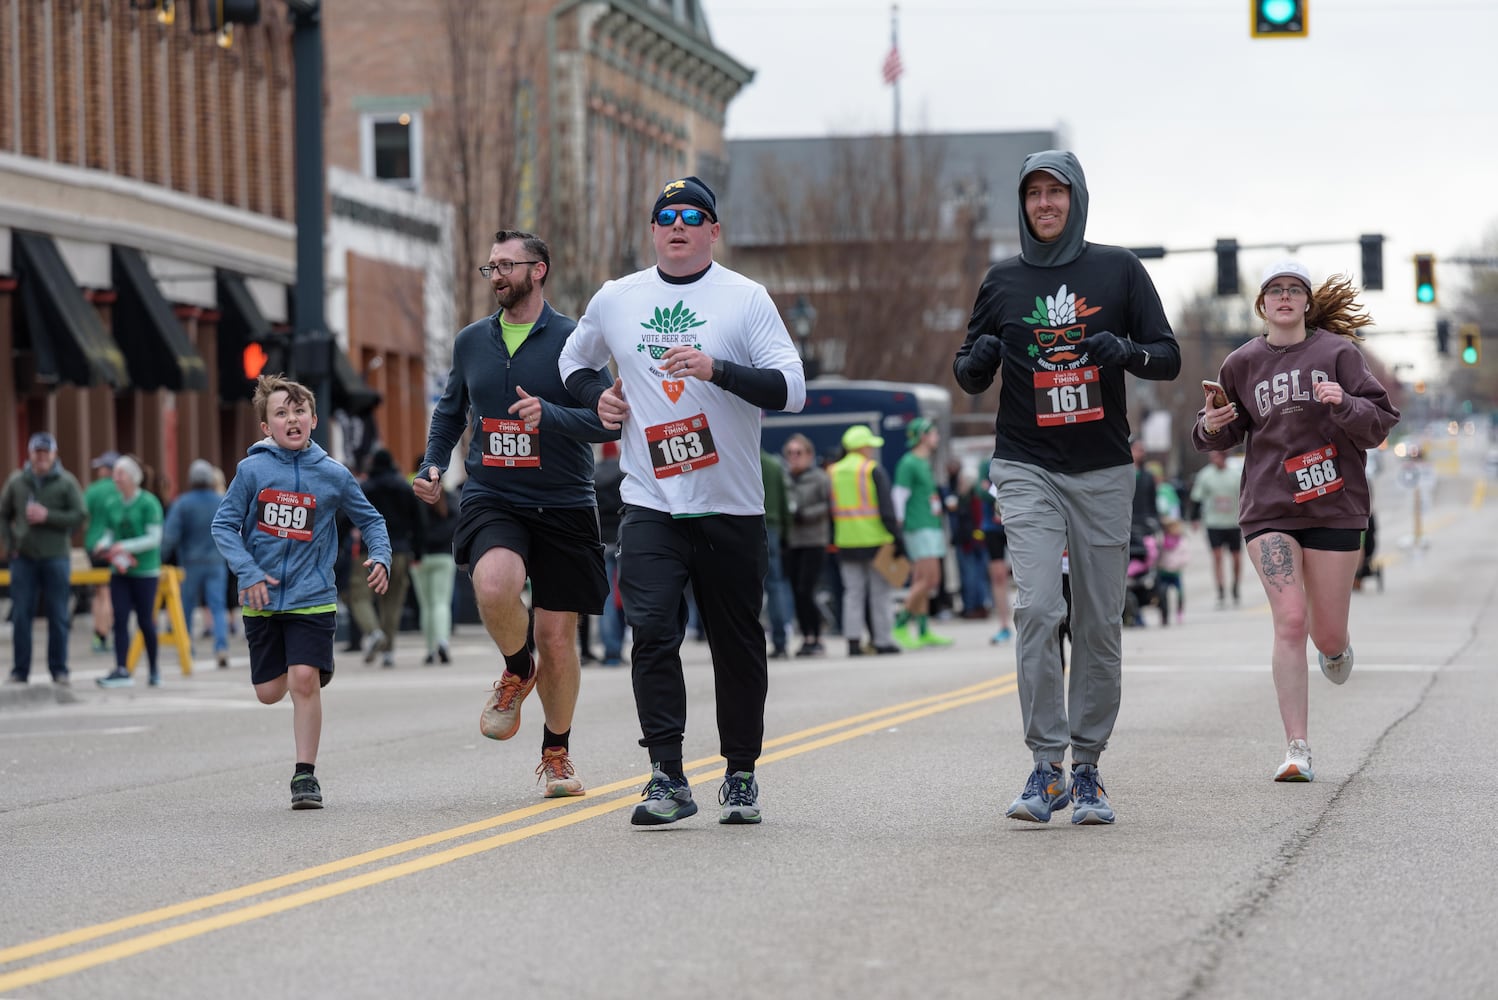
x=556, y=771
x=501, y=717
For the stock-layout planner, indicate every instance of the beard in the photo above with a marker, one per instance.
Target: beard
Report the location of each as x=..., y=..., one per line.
x=516, y=290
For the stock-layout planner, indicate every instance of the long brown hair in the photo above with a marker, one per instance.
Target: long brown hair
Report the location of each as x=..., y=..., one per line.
x=1334, y=308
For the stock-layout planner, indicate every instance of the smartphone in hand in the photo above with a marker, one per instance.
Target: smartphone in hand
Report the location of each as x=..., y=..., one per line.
x=1218, y=394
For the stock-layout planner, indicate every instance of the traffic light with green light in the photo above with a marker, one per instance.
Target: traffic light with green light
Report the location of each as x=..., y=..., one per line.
x=1425, y=279
x=1471, y=338
x=1279, y=18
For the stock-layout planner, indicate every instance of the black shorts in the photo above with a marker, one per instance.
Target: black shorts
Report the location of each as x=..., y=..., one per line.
x=278, y=640
x=998, y=545
x=559, y=546
x=1225, y=538
x=1320, y=539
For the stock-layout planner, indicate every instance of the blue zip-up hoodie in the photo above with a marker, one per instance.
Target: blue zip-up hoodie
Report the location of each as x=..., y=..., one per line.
x=263, y=529
x=482, y=385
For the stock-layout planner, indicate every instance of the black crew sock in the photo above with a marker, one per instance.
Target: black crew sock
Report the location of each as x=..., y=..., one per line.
x=672, y=768
x=550, y=739
x=305, y=768
x=519, y=663
x=736, y=766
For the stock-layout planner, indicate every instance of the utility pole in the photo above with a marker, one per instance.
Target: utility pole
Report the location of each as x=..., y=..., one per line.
x=312, y=344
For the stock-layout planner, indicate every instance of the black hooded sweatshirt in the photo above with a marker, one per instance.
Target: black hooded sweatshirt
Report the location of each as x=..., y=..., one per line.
x=1058, y=408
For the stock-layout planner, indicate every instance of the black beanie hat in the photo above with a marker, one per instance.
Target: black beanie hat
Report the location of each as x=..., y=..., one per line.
x=687, y=191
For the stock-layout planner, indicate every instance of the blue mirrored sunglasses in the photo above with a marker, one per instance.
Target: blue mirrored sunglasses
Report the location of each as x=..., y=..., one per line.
x=689, y=216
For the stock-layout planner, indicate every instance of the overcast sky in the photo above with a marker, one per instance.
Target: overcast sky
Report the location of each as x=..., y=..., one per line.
x=1383, y=120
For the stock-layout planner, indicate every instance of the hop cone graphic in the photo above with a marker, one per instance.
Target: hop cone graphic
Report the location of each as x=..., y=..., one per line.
x=677, y=319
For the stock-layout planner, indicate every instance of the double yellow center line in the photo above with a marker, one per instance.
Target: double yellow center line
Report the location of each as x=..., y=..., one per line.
x=242, y=908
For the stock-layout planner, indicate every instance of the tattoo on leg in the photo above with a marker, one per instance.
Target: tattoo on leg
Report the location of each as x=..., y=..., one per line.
x=1277, y=560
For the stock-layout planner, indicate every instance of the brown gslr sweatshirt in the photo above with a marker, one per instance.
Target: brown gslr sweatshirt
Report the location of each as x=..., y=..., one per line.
x=1304, y=463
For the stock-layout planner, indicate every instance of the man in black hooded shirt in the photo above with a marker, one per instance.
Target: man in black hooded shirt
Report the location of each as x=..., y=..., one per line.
x=1066, y=318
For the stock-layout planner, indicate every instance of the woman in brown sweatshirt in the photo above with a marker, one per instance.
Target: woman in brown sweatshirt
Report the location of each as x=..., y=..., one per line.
x=1306, y=407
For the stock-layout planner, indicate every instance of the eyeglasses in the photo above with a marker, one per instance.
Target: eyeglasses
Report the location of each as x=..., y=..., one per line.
x=503, y=266
x=1071, y=335
x=689, y=216
x=1285, y=291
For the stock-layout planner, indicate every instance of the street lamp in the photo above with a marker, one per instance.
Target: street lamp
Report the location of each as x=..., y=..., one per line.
x=803, y=317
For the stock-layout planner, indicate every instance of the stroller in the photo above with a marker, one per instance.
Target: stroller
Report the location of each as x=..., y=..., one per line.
x=1142, y=589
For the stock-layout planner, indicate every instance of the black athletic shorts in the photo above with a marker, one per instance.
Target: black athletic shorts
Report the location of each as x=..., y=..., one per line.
x=560, y=547
x=276, y=641
x=1320, y=539
x=1225, y=538
x=998, y=545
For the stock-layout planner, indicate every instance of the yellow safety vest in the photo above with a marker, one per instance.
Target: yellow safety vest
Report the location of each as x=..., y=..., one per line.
x=855, y=508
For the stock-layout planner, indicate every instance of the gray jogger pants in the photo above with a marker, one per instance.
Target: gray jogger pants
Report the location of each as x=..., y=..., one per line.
x=1085, y=515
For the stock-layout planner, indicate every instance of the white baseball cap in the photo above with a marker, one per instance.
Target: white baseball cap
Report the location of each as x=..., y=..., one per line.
x=1286, y=269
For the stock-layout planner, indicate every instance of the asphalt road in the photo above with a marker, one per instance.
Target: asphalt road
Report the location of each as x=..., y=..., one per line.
x=147, y=850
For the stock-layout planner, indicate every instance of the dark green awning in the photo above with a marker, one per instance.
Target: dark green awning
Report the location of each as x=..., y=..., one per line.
x=66, y=335
x=157, y=349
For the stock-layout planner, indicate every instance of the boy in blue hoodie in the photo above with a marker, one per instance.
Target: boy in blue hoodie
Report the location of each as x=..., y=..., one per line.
x=276, y=529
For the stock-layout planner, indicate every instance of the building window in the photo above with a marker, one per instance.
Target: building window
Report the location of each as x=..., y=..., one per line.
x=390, y=148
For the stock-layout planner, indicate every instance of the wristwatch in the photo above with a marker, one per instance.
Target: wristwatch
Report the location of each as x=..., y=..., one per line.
x=720, y=369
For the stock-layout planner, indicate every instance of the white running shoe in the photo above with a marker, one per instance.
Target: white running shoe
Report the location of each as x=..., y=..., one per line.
x=1337, y=668
x=1297, y=765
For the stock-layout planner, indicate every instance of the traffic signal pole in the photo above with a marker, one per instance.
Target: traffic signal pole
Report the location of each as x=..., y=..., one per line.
x=312, y=344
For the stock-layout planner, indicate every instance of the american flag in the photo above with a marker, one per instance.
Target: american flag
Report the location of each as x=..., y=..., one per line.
x=892, y=66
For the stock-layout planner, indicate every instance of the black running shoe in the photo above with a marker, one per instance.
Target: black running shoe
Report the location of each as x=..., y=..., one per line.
x=667, y=800
x=306, y=793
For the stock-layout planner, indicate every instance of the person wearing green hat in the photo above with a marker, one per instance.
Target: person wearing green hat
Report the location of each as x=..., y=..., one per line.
x=918, y=506
x=863, y=523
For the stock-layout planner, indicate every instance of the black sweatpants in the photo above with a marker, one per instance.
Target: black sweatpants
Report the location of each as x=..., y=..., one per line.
x=725, y=558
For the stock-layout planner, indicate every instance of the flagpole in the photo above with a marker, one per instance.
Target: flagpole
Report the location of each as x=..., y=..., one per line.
x=894, y=46
x=899, y=157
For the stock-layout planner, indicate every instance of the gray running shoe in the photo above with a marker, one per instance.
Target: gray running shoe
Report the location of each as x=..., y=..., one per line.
x=739, y=798
x=667, y=800
x=117, y=679
x=1336, y=668
x=1090, y=804
x=1045, y=792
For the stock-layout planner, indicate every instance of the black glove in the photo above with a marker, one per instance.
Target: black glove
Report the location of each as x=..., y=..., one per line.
x=986, y=354
x=899, y=547
x=1108, y=349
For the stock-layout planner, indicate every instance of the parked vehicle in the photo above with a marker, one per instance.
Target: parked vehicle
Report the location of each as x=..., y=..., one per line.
x=835, y=404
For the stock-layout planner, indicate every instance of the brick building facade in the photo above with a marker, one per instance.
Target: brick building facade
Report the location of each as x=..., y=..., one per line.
x=146, y=196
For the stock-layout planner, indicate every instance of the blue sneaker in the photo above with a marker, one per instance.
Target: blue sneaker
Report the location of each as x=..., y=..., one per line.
x=1044, y=793
x=1090, y=799
x=115, y=679
x=1000, y=637
x=667, y=800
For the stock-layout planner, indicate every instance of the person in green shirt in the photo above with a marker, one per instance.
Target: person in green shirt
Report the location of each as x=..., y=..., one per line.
x=132, y=544
x=100, y=496
x=918, y=505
